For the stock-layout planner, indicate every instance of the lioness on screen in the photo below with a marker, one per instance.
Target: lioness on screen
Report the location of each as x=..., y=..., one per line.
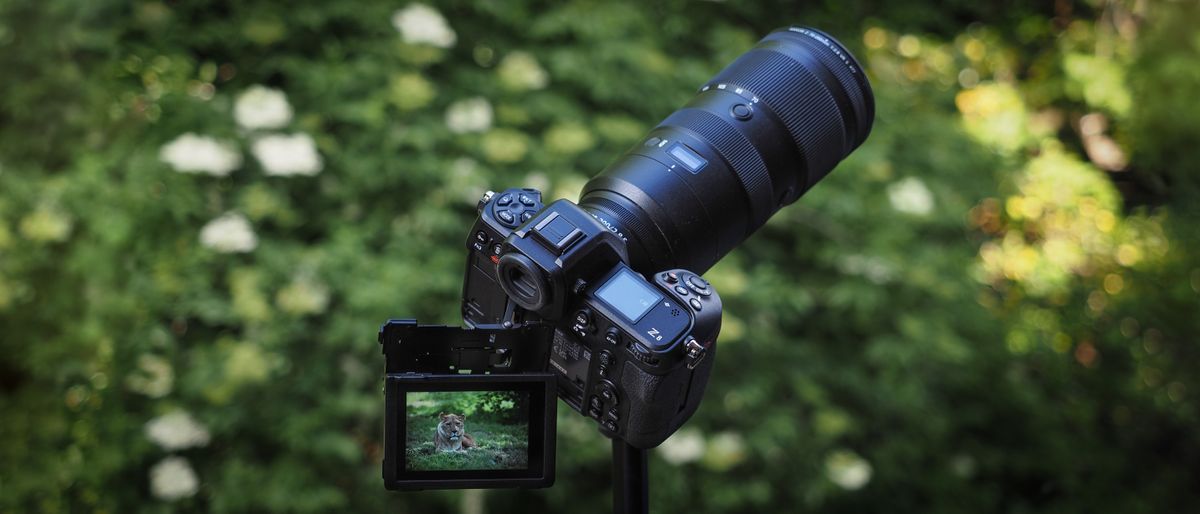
x=451, y=435
x=467, y=430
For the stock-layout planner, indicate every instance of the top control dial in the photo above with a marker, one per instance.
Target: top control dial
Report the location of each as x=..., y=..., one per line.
x=514, y=207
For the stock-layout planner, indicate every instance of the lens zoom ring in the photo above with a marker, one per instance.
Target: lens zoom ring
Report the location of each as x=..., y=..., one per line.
x=797, y=97
x=739, y=152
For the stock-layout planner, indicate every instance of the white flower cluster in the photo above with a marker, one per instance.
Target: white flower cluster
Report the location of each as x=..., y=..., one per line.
x=229, y=233
x=520, y=70
x=262, y=108
x=154, y=377
x=257, y=108
x=848, y=470
x=282, y=155
x=422, y=24
x=305, y=295
x=470, y=115
x=875, y=269
x=192, y=153
x=173, y=478
x=176, y=430
x=911, y=196
x=682, y=447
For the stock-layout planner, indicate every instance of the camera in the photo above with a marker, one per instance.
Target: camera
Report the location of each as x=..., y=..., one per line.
x=628, y=352
x=602, y=303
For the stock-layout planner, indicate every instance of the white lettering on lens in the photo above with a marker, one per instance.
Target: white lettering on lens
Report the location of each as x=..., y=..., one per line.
x=611, y=228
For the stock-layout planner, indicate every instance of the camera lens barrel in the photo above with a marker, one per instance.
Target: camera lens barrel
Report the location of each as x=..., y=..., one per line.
x=755, y=138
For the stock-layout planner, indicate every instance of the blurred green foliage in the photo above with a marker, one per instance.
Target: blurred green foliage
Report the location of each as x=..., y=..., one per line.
x=992, y=306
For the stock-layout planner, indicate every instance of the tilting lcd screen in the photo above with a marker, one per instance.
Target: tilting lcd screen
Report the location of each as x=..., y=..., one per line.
x=467, y=430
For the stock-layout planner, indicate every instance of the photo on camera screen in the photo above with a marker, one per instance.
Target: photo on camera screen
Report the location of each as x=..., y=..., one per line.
x=467, y=430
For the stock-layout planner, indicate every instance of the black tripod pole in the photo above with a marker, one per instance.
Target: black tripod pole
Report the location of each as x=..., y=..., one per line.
x=631, y=480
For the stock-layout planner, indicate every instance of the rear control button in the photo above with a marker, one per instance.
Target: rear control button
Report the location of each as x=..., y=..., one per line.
x=481, y=236
x=583, y=317
x=526, y=215
x=525, y=200
x=695, y=304
x=496, y=249
x=583, y=323
x=605, y=358
x=602, y=371
x=609, y=395
x=613, y=336
x=614, y=414
x=681, y=290
x=595, y=407
x=698, y=285
x=610, y=425
x=505, y=216
x=504, y=199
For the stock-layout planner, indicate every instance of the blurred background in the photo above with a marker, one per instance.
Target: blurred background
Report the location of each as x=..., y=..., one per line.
x=208, y=208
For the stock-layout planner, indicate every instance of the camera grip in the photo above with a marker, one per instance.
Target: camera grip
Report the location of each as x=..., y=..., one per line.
x=649, y=424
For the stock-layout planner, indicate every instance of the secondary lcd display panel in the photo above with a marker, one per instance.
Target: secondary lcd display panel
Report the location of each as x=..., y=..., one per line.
x=629, y=294
x=687, y=157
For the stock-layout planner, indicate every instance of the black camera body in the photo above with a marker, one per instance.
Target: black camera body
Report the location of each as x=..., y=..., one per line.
x=637, y=355
x=648, y=340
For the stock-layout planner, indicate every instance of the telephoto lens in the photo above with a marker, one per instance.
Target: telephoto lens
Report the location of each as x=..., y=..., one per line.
x=754, y=139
